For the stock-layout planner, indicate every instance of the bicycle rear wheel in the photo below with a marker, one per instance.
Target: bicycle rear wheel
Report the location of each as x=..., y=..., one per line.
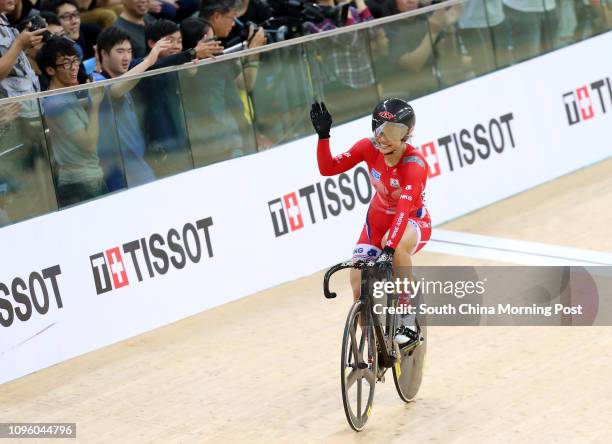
x=358, y=366
x=408, y=371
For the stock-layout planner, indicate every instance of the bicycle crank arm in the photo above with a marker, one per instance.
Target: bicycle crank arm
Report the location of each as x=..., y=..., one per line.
x=387, y=360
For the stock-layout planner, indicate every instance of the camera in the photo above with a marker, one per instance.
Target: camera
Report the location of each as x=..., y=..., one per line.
x=36, y=23
x=285, y=18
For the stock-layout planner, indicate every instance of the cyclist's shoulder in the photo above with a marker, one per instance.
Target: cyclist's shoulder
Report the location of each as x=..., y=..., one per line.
x=366, y=147
x=413, y=156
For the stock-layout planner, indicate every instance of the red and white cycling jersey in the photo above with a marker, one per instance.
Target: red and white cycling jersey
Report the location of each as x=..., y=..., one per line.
x=399, y=190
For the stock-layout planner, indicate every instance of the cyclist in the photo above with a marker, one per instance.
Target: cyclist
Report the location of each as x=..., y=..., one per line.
x=397, y=222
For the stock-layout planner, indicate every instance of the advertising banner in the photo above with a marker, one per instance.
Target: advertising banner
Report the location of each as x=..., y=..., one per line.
x=98, y=273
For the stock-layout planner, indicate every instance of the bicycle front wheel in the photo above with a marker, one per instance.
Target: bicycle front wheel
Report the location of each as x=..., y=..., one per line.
x=358, y=367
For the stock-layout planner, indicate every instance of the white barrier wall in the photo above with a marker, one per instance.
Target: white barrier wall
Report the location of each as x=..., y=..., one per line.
x=74, y=281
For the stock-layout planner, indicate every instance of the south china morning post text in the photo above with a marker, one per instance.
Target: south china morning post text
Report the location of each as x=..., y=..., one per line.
x=459, y=290
x=498, y=296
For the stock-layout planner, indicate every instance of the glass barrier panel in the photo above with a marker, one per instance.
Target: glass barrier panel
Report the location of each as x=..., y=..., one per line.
x=281, y=96
x=452, y=61
x=483, y=37
x=593, y=17
x=343, y=73
x=533, y=27
x=26, y=183
x=217, y=110
x=83, y=148
x=403, y=58
x=158, y=131
x=578, y=20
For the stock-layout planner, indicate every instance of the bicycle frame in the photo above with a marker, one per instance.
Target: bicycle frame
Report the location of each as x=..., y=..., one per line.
x=389, y=350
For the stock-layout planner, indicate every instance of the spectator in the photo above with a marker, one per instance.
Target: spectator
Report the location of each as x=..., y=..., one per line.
x=174, y=10
x=217, y=118
x=194, y=30
x=248, y=11
x=412, y=43
x=346, y=67
x=55, y=28
x=175, y=55
x=485, y=34
x=133, y=20
x=578, y=20
x=24, y=10
x=357, y=14
x=159, y=96
x=115, y=53
x=161, y=28
x=24, y=157
x=376, y=7
x=95, y=13
x=221, y=14
x=16, y=75
x=85, y=35
x=533, y=24
x=72, y=126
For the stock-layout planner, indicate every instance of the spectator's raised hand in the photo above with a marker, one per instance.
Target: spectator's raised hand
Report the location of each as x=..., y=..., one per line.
x=453, y=14
x=96, y=95
x=208, y=48
x=380, y=43
x=442, y=18
x=97, y=56
x=162, y=44
x=256, y=38
x=28, y=39
x=155, y=6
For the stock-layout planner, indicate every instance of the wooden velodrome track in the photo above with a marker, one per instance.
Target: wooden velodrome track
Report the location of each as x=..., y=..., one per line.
x=265, y=368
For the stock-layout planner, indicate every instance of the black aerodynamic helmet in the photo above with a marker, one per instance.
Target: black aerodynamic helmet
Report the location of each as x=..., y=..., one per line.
x=395, y=111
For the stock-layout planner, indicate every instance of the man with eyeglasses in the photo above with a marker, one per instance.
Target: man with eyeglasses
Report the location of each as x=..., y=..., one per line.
x=84, y=35
x=72, y=126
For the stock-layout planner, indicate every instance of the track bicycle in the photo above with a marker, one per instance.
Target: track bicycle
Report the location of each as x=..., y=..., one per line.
x=369, y=348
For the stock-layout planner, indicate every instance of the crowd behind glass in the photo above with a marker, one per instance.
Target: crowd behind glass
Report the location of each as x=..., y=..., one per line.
x=67, y=148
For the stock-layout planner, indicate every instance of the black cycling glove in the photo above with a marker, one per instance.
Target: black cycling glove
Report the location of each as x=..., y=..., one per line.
x=321, y=119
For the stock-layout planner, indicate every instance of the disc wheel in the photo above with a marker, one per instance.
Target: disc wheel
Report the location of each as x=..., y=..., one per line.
x=358, y=366
x=408, y=371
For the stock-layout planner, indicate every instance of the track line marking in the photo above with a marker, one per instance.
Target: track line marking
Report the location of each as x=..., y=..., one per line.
x=456, y=243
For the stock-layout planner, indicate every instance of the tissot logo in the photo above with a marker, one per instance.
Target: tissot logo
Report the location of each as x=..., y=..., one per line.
x=431, y=156
x=318, y=201
x=588, y=101
x=466, y=146
x=19, y=298
x=153, y=255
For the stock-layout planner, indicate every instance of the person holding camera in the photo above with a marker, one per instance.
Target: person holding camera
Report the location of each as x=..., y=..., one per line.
x=16, y=75
x=347, y=58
